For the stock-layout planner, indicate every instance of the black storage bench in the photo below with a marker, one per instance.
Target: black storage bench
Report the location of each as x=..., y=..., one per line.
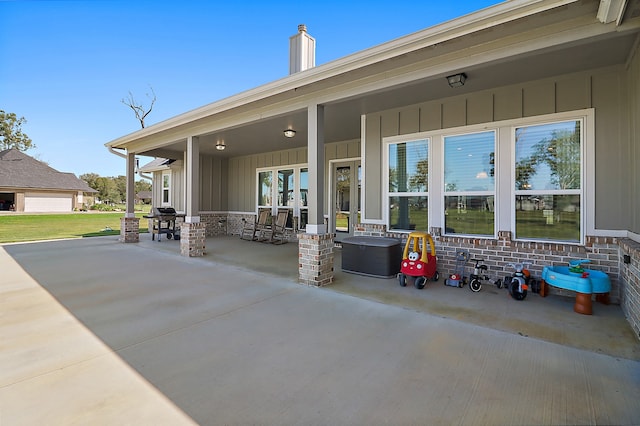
x=374, y=256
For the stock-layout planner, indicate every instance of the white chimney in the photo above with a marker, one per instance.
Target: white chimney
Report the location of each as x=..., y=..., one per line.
x=302, y=51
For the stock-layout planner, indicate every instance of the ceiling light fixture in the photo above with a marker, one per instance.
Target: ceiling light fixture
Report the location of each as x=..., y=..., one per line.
x=457, y=80
x=289, y=133
x=220, y=146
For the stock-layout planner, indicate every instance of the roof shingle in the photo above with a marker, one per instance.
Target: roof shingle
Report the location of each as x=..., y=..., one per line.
x=18, y=170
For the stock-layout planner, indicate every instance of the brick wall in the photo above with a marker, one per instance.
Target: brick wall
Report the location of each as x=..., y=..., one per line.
x=129, y=230
x=603, y=254
x=216, y=223
x=192, y=239
x=630, y=276
x=315, y=259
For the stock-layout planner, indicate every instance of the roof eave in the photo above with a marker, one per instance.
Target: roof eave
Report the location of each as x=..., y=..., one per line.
x=483, y=19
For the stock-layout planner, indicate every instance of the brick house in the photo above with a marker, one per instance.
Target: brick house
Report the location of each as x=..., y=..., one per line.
x=29, y=185
x=511, y=132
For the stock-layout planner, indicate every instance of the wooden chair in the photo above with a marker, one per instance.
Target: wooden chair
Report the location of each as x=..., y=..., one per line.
x=278, y=228
x=254, y=231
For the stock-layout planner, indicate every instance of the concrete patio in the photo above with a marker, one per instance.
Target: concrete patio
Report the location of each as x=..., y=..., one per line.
x=99, y=332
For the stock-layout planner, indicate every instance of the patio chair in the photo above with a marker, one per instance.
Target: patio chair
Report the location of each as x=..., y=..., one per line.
x=278, y=228
x=254, y=231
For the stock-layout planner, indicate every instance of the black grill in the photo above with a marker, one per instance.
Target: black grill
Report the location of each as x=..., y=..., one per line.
x=163, y=222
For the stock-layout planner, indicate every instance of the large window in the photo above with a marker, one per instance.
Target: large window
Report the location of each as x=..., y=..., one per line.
x=289, y=190
x=469, y=184
x=548, y=184
x=408, y=194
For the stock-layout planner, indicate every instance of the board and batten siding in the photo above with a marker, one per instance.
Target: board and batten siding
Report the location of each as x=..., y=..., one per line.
x=213, y=183
x=242, y=170
x=602, y=89
x=633, y=152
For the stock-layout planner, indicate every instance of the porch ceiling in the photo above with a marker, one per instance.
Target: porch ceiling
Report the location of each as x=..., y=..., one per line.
x=527, y=61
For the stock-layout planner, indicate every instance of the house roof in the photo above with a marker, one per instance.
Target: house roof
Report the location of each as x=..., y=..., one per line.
x=18, y=170
x=512, y=42
x=156, y=164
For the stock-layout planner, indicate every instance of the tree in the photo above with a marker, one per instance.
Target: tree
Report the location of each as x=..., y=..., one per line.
x=141, y=185
x=138, y=109
x=11, y=135
x=108, y=190
x=91, y=179
x=561, y=153
x=419, y=180
x=121, y=186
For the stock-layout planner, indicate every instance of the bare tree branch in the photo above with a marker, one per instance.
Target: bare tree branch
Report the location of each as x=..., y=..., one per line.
x=138, y=109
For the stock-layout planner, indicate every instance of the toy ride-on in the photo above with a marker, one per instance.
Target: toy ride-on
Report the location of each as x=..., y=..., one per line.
x=418, y=260
x=476, y=278
x=518, y=283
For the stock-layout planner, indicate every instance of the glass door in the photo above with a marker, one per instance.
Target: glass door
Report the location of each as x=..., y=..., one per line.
x=346, y=198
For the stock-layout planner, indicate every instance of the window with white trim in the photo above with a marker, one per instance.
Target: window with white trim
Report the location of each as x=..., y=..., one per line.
x=407, y=185
x=303, y=202
x=289, y=190
x=166, y=188
x=265, y=189
x=548, y=181
x=469, y=184
x=286, y=192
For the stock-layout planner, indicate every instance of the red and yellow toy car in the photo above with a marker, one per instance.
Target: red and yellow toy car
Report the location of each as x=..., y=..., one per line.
x=418, y=260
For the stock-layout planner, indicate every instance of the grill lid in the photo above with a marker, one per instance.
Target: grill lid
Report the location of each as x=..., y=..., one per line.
x=164, y=211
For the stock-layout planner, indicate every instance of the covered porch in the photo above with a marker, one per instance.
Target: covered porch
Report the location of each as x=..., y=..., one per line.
x=514, y=66
x=550, y=318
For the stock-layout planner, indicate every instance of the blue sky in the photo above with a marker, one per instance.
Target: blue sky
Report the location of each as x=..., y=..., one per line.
x=66, y=65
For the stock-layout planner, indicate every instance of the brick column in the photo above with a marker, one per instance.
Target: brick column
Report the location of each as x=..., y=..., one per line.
x=315, y=259
x=192, y=239
x=129, y=230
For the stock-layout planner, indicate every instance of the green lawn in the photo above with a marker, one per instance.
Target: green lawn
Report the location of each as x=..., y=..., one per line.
x=34, y=227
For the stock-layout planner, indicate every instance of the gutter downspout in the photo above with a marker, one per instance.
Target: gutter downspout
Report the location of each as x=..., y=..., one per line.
x=119, y=154
x=113, y=151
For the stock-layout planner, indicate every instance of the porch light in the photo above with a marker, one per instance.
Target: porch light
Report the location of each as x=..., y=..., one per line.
x=457, y=80
x=289, y=133
x=220, y=146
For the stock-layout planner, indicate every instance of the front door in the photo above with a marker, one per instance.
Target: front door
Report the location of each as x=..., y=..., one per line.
x=345, y=198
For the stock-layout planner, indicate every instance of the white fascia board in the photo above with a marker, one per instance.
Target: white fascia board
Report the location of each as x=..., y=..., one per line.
x=485, y=18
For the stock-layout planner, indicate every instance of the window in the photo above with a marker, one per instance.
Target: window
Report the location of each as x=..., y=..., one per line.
x=265, y=185
x=166, y=188
x=304, y=192
x=408, y=196
x=548, y=184
x=469, y=184
x=285, y=192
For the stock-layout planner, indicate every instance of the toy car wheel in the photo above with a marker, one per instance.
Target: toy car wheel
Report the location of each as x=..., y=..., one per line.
x=498, y=283
x=169, y=236
x=475, y=286
x=402, y=278
x=420, y=282
x=515, y=292
x=436, y=276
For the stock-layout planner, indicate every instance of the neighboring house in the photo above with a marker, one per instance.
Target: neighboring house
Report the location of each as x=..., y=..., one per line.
x=512, y=132
x=29, y=185
x=144, y=197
